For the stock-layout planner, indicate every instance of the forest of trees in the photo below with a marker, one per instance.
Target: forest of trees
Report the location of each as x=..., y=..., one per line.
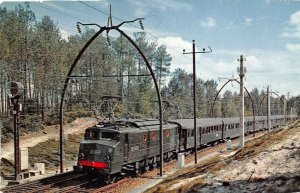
x=34, y=53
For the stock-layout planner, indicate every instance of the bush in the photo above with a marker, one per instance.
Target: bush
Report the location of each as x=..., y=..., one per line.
x=7, y=129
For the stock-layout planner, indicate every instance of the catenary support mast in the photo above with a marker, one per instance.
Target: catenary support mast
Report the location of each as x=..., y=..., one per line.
x=194, y=93
x=242, y=71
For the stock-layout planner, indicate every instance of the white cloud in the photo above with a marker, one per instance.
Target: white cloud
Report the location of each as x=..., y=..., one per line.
x=295, y=18
x=208, y=22
x=278, y=69
x=293, y=30
x=175, y=46
x=64, y=34
x=293, y=47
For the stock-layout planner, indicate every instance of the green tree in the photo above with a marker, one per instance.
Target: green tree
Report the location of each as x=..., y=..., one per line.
x=229, y=107
x=162, y=64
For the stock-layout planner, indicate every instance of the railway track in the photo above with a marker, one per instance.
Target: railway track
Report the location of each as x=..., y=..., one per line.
x=44, y=185
x=65, y=183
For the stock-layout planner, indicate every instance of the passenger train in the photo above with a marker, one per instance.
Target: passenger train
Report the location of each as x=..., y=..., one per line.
x=112, y=148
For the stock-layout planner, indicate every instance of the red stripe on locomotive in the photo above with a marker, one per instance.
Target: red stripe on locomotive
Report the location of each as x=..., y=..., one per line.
x=99, y=165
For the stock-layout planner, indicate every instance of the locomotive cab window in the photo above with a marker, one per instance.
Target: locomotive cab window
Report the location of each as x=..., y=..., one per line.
x=91, y=134
x=110, y=136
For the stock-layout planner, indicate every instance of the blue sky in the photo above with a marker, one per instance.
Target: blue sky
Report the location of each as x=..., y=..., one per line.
x=266, y=32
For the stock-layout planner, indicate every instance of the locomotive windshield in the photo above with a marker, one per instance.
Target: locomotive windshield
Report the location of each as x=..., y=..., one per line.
x=110, y=136
x=91, y=134
x=98, y=135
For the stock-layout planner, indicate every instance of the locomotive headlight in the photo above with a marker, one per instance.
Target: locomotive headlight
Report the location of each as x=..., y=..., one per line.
x=110, y=150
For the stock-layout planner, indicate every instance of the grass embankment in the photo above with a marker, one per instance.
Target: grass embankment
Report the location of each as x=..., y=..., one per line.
x=48, y=152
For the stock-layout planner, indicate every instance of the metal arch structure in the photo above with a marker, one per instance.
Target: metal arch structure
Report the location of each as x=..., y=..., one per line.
x=291, y=103
x=252, y=102
x=213, y=103
x=259, y=106
x=107, y=29
x=230, y=80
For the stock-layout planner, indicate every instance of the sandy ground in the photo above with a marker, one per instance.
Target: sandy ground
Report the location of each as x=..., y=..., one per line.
x=50, y=132
x=275, y=169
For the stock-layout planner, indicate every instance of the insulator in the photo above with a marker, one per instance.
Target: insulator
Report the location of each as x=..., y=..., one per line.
x=78, y=28
x=141, y=24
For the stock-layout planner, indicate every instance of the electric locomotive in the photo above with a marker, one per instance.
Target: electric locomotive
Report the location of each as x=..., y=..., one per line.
x=112, y=148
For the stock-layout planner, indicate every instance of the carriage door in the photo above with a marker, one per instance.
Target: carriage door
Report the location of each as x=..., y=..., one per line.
x=126, y=147
x=184, y=132
x=223, y=130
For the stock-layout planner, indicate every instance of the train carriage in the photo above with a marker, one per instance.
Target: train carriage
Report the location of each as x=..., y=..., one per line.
x=232, y=127
x=210, y=130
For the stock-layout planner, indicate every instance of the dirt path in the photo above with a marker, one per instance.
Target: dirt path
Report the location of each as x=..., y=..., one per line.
x=50, y=132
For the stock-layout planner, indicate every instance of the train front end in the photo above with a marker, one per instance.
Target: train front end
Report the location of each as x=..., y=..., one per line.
x=99, y=150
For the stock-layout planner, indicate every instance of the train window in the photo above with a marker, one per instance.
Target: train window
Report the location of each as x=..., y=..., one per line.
x=216, y=128
x=153, y=136
x=192, y=133
x=110, y=136
x=237, y=126
x=145, y=136
x=91, y=134
x=168, y=133
x=126, y=138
